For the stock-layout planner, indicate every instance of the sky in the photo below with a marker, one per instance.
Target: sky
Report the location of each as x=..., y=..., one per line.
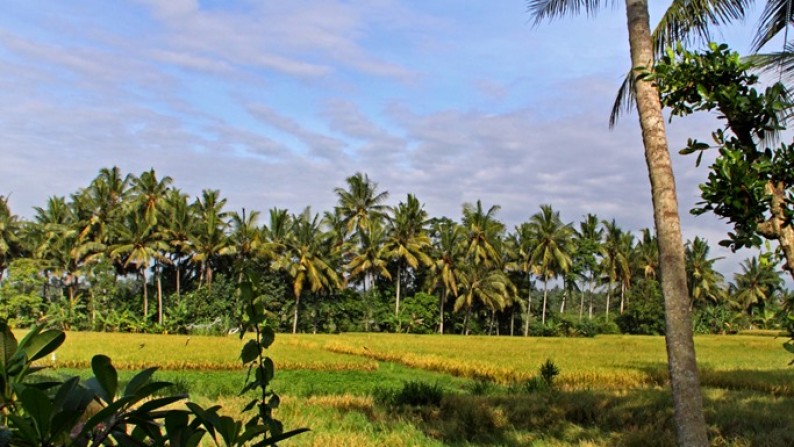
x=276, y=103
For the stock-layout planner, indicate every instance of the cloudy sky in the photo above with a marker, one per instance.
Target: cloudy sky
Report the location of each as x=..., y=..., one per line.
x=275, y=103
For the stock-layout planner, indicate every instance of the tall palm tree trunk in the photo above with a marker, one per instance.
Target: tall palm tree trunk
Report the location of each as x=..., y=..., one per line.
x=688, y=402
x=441, y=311
x=159, y=295
x=528, y=313
x=622, y=295
x=397, y=298
x=295, y=315
x=609, y=296
x=145, y=295
x=545, y=295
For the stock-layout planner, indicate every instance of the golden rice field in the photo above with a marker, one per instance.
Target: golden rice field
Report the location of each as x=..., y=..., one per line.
x=605, y=362
x=613, y=389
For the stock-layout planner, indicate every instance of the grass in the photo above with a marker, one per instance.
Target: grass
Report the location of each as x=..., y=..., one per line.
x=611, y=391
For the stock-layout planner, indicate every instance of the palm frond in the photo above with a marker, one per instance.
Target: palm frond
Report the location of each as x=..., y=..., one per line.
x=773, y=20
x=541, y=10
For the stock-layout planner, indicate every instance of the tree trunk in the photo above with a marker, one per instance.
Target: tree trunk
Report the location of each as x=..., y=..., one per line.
x=159, y=295
x=581, y=304
x=512, y=320
x=528, y=313
x=545, y=294
x=622, y=295
x=592, y=296
x=441, y=312
x=687, y=399
x=295, y=316
x=397, y=298
x=609, y=297
x=564, y=297
x=178, y=283
x=145, y=295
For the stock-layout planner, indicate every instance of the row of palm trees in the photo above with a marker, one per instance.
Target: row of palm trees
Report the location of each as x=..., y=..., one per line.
x=143, y=225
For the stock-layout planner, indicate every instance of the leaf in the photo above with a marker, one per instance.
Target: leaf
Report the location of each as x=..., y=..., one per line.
x=268, y=336
x=8, y=343
x=278, y=438
x=39, y=408
x=106, y=376
x=250, y=351
x=138, y=381
x=44, y=343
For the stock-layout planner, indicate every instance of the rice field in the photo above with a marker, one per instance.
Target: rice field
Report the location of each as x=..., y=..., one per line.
x=612, y=389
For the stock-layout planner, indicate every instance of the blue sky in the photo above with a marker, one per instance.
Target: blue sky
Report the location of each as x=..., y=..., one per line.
x=276, y=103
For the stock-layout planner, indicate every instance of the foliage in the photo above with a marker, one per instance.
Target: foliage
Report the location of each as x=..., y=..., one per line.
x=750, y=181
x=21, y=293
x=412, y=393
x=646, y=314
x=69, y=413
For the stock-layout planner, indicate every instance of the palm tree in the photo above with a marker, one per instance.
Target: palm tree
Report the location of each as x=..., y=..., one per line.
x=306, y=259
x=360, y=204
x=483, y=234
x=407, y=243
x=246, y=238
x=688, y=402
x=447, y=253
x=103, y=202
x=179, y=224
x=276, y=232
x=625, y=269
x=551, y=254
x=10, y=243
x=520, y=247
x=488, y=285
x=587, y=243
x=705, y=283
x=368, y=258
x=646, y=254
x=756, y=284
x=209, y=239
x=149, y=194
x=614, y=258
x=139, y=244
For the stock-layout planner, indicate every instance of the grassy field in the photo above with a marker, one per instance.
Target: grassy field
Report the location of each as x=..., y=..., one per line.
x=612, y=389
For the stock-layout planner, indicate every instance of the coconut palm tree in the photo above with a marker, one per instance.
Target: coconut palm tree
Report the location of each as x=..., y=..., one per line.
x=367, y=258
x=705, y=283
x=688, y=402
x=307, y=259
x=551, y=254
x=149, y=194
x=139, y=244
x=447, y=253
x=756, y=284
x=209, y=239
x=246, y=240
x=407, y=242
x=179, y=223
x=587, y=242
x=10, y=243
x=520, y=245
x=487, y=285
x=483, y=234
x=614, y=258
x=360, y=204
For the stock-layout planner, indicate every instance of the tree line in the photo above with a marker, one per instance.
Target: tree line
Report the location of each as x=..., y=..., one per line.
x=133, y=252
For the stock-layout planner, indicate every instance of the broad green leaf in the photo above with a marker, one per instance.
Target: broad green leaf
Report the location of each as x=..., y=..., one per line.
x=8, y=343
x=106, y=376
x=250, y=351
x=44, y=343
x=268, y=336
x=39, y=408
x=138, y=381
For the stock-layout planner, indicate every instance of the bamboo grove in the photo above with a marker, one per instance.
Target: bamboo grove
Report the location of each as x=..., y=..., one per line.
x=134, y=253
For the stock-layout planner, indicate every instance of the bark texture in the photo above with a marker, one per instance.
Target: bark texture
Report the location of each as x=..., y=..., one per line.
x=690, y=422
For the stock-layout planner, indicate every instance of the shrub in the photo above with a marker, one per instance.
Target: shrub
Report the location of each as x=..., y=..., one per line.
x=412, y=393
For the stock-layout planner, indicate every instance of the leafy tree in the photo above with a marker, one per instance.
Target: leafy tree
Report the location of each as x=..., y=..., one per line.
x=551, y=254
x=750, y=183
x=483, y=233
x=614, y=258
x=306, y=259
x=448, y=246
x=705, y=283
x=756, y=284
x=360, y=204
x=690, y=422
x=520, y=245
x=407, y=243
x=587, y=242
x=209, y=239
x=489, y=286
x=10, y=243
